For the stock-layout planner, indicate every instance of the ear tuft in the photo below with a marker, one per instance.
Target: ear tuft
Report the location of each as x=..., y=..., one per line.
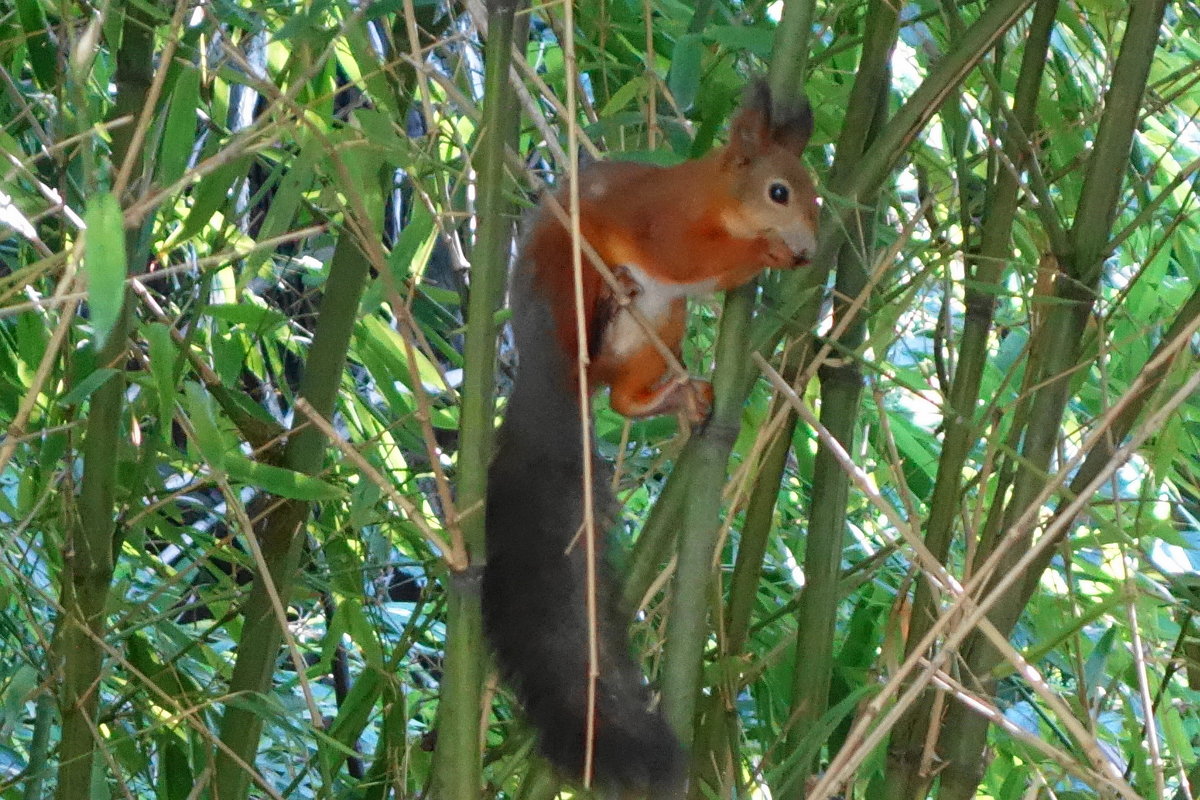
x=757, y=97
x=793, y=126
x=761, y=121
x=750, y=131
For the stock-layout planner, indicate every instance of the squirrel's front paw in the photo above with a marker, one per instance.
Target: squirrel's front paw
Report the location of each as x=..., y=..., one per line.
x=699, y=403
x=777, y=254
x=625, y=277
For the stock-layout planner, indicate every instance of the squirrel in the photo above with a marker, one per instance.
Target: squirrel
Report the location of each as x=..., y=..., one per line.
x=669, y=233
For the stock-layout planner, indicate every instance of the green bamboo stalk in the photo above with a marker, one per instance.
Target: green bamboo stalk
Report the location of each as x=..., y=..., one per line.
x=1005, y=617
x=964, y=733
x=985, y=267
x=87, y=577
x=281, y=535
x=786, y=71
x=657, y=537
x=687, y=627
x=708, y=456
x=1066, y=319
x=841, y=396
x=802, y=293
x=716, y=745
x=943, y=79
x=457, y=759
x=756, y=529
x=1102, y=454
x=88, y=571
x=867, y=174
x=791, y=44
x=800, y=297
x=807, y=287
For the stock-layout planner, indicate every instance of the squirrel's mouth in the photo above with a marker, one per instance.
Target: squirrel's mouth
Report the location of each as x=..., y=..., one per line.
x=801, y=259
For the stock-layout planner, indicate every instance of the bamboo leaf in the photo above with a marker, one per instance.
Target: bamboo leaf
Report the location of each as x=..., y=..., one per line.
x=202, y=416
x=260, y=319
x=42, y=55
x=279, y=481
x=162, y=361
x=684, y=78
x=175, y=778
x=104, y=263
x=209, y=195
x=88, y=385
x=179, y=134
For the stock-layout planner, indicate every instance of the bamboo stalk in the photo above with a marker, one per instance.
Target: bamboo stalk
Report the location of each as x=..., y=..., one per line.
x=801, y=291
x=841, y=397
x=281, y=534
x=457, y=758
x=756, y=529
x=687, y=627
x=864, y=176
x=90, y=560
x=707, y=453
x=964, y=733
x=904, y=778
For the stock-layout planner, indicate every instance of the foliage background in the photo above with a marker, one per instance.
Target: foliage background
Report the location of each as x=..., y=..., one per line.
x=223, y=223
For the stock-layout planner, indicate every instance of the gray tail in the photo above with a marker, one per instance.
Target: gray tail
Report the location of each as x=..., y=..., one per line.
x=534, y=592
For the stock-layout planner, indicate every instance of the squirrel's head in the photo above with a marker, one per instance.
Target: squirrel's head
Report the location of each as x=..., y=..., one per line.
x=774, y=192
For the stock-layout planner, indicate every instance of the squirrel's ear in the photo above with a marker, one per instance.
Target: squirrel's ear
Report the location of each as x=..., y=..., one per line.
x=792, y=129
x=750, y=131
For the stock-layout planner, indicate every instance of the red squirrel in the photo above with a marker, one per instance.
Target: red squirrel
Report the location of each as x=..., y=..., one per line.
x=670, y=233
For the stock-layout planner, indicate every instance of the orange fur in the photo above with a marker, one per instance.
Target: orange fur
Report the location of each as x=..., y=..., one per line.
x=669, y=233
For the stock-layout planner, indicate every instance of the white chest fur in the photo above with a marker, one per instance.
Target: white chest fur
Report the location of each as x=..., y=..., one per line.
x=653, y=299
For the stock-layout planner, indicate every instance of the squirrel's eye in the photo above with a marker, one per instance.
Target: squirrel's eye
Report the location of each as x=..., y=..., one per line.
x=778, y=193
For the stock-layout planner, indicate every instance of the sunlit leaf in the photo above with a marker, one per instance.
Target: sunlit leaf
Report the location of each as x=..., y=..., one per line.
x=277, y=480
x=105, y=263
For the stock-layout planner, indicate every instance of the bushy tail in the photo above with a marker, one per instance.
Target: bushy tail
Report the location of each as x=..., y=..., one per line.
x=534, y=595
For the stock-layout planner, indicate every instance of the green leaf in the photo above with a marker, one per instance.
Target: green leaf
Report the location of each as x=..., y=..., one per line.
x=258, y=318
x=85, y=387
x=758, y=41
x=415, y=244
x=365, y=165
x=169, y=680
x=31, y=335
x=175, y=778
x=279, y=481
x=354, y=713
x=1095, y=666
x=209, y=195
x=104, y=263
x=684, y=78
x=42, y=56
x=345, y=567
x=361, y=631
x=162, y=368
x=21, y=687
x=1175, y=733
x=362, y=62
x=179, y=134
x=207, y=433
x=379, y=129
x=624, y=95
x=281, y=212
